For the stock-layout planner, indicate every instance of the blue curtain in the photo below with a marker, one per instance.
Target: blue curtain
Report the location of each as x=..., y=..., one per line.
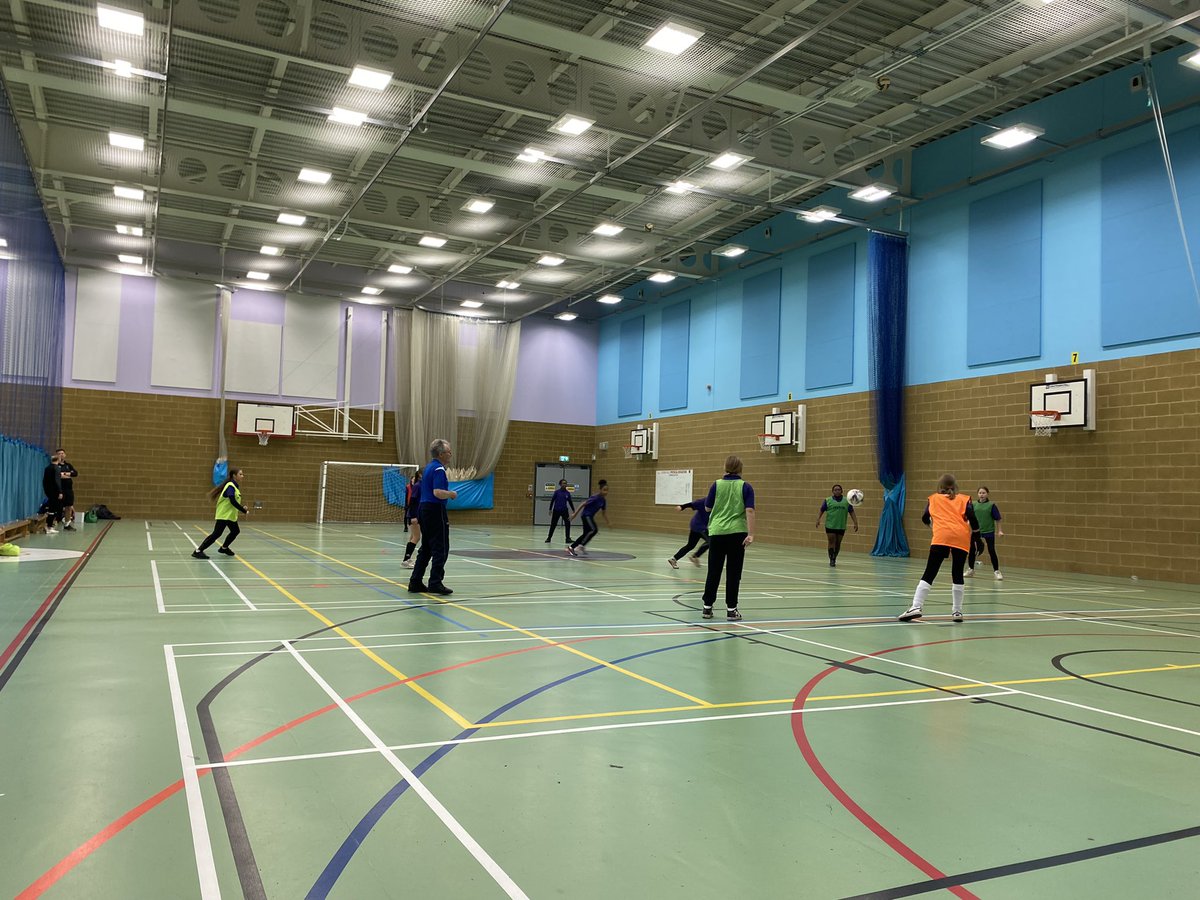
x=887, y=275
x=477, y=494
x=394, y=484
x=21, y=467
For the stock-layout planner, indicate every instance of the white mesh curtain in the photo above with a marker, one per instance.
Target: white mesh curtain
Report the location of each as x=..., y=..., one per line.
x=454, y=380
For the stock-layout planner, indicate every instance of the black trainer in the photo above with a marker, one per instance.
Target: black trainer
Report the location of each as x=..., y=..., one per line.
x=733, y=615
x=706, y=613
x=440, y=589
x=418, y=588
x=196, y=554
x=226, y=551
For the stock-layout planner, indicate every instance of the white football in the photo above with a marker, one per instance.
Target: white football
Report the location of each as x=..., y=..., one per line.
x=855, y=496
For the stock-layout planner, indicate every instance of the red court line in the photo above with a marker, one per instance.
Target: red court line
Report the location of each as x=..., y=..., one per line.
x=831, y=784
x=92, y=844
x=28, y=626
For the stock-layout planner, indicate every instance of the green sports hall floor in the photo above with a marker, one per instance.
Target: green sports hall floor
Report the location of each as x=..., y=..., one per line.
x=292, y=723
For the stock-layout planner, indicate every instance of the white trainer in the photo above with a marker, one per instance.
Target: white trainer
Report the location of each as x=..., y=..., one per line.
x=956, y=615
x=970, y=573
x=912, y=613
x=51, y=531
x=672, y=563
x=999, y=577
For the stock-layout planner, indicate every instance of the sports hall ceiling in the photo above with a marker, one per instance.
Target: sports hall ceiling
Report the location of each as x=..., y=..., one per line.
x=232, y=98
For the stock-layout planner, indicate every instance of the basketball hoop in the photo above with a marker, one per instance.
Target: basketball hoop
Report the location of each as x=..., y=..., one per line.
x=263, y=436
x=764, y=446
x=629, y=448
x=1042, y=421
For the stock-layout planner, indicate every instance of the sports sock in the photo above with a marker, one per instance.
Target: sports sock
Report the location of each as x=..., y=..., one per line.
x=956, y=590
x=408, y=549
x=921, y=593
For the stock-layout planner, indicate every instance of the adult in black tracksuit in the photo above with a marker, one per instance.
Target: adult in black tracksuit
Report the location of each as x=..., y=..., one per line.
x=52, y=485
x=435, y=524
x=67, y=475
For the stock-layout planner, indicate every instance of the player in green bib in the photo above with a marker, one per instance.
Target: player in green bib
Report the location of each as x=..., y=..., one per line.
x=228, y=495
x=835, y=509
x=987, y=514
x=730, y=503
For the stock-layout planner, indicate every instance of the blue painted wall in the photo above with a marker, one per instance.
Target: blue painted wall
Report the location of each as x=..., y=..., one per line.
x=1075, y=288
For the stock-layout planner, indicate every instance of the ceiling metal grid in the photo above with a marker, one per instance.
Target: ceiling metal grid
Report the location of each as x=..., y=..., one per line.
x=234, y=98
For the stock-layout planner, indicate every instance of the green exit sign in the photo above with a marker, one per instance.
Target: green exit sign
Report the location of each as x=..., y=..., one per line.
x=564, y=459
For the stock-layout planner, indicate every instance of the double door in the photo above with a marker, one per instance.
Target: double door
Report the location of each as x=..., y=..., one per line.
x=545, y=482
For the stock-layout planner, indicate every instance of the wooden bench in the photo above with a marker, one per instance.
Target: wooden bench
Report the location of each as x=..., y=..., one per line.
x=20, y=528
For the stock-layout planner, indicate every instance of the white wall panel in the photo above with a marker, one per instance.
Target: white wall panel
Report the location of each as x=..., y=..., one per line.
x=185, y=327
x=97, y=326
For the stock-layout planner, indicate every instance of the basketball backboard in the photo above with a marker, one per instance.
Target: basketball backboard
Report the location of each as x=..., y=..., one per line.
x=1073, y=399
x=639, y=440
x=780, y=427
x=254, y=418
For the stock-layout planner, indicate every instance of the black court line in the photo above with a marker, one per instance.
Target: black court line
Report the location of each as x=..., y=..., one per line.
x=1029, y=865
x=1057, y=662
x=61, y=590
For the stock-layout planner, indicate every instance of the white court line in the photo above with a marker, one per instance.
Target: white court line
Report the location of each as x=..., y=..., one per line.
x=611, y=726
x=1104, y=621
x=580, y=587
x=205, y=866
x=158, y=595
x=481, y=856
x=818, y=624
x=149, y=543
x=217, y=569
x=180, y=527
x=147, y=524
x=964, y=678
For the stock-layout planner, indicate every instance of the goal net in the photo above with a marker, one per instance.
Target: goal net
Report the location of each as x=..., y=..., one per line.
x=363, y=493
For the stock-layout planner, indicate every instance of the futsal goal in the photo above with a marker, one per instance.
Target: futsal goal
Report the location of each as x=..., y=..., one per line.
x=363, y=493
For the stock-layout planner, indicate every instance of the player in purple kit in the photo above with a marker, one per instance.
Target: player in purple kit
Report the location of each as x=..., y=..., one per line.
x=560, y=502
x=698, y=528
x=587, y=512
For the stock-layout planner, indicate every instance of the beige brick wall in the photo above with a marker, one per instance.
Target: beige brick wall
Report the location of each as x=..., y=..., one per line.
x=1123, y=500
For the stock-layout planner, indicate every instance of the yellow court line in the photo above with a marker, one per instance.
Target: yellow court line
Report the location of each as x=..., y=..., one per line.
x=550, y=641
x=826, y=697
x=367, y=651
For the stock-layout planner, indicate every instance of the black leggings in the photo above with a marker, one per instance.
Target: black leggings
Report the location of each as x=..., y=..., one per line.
x=937, y=555
x=221, y=525
x=977, y=541
x=555, y=515
x=729, y=553
x=694, y=538
x=589, y=531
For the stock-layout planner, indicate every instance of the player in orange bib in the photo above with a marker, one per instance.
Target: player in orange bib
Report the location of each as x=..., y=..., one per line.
x=953, y=521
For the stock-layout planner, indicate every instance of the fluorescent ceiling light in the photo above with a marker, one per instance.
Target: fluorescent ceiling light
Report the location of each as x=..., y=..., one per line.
x=662, y=277
x=375, y=79
x=730, y=250
x=128, y=193
x=607, y=229
x=258, y=276
x=3, y=242
x=819, y=214
x=314, y=176
x=471, y=304
x=609, y=298
x=120, y=20
x=873, y=193
x=531, y=154
x=397, y=269
x=268, y=250
x=680, y=187
x=373, y=291
x=131, y=230
x=673, y=39
x=1013, y=136
x=1192, y=60
x=431, y=240
x=566, y=317
x=730, y=160
x=130, y=260
x=549, y=259
x=479, y=205
x=508, y=285
x=126, y=141
x=341, y=116
x=291, y=219
x=572, y=125
x=123, y=67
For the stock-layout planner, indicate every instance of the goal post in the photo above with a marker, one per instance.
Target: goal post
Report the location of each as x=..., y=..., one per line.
x=363, y=493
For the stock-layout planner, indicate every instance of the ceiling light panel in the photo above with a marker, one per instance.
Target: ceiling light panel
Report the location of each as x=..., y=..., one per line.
x=120, y=20
x=314, y=176
x=471, y=304
x=130, y=260
x=432, y=240
x=268, y=250
x=873, y=193
x=397, y=269
x=662, y=277
x=291, y=219
x=730, y=250
x=729, y=160
x=549, y=259
x=131, y=230
x=126, y=141
x=673, y=38
x=572, y=125
x=609, y=299
x=372, y=291
x=508, y=285
x=608, y=229
x=1013, y=136
x=566, y=317
x=128, y=193
x=478, y=205
x=341, y=116
x=374, y=79
x=258, y=276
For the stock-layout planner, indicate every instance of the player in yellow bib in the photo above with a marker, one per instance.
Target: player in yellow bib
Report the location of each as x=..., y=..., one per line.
x=228, y=495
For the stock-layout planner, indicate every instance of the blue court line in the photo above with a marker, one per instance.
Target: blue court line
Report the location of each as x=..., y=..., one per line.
x=340, y=574
x=341, y=859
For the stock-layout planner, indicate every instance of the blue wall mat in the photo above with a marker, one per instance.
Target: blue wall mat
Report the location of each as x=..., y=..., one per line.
x=760, y=335
x=829, y=344
x=1004, y=276
x=673, y=356
x=1145, y=288
x=629, y=367
x=477, y=494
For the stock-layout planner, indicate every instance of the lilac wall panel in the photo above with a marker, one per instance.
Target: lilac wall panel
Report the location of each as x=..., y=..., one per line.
x=556, y=373
x=364, y=374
